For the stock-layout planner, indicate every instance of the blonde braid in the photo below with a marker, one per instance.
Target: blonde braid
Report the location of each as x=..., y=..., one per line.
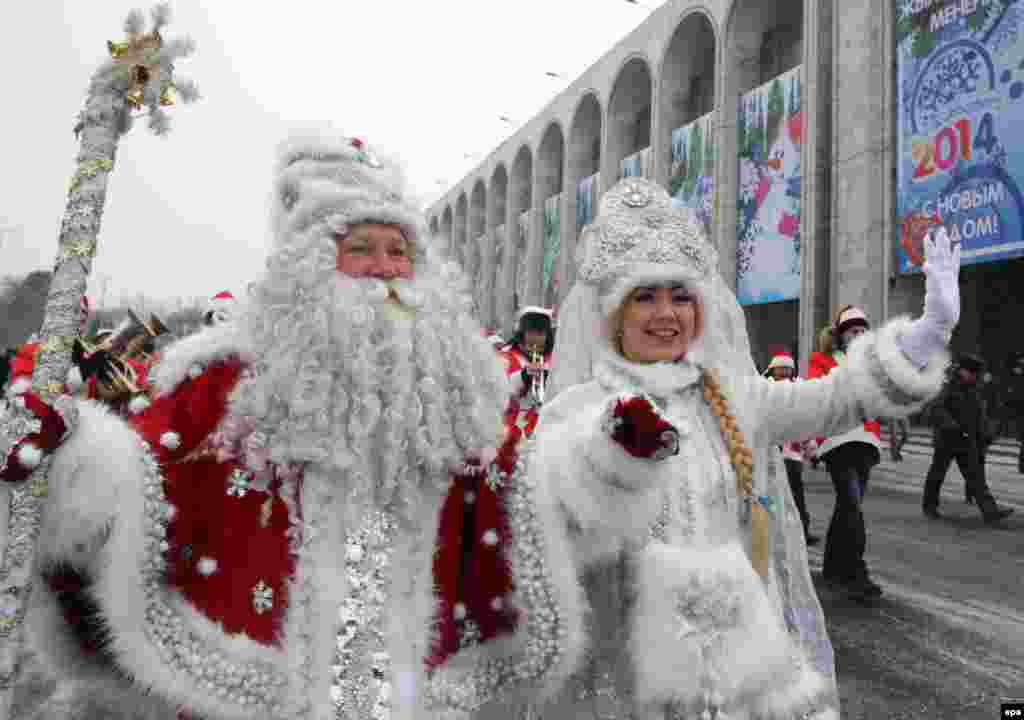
x=740, y=456
x=742, y=460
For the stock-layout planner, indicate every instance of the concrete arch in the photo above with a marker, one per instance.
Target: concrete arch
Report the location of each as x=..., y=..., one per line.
x=446, y=231
x=461, y=227
x=628, y=120
x=583, y=159
x=497, y=230
x=477, y=226
x=548, y=183
x=761, y=39
x=520, y=200
x=686, y=81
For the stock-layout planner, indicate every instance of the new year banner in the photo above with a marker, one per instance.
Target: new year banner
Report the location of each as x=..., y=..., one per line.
x=552, y=250
x=960, y=78
x=770, y=126
x=586, y=201
x=692, y=177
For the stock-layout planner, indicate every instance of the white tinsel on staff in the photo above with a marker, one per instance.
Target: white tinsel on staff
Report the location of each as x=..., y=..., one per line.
x=139, y=74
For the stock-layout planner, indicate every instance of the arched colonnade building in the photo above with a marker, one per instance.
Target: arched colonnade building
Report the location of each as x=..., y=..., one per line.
x=774, y=119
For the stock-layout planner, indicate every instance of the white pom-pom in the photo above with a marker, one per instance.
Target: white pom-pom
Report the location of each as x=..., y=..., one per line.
x=459, y=611
x=470, y=497
x=172, y=512
x=497, y=603
x=138, y=404
x=206, y=566
x=75, y=381
x=170, y=440
x=491, y=538
x=20, y=386
x=30, y=456
x=195, y=370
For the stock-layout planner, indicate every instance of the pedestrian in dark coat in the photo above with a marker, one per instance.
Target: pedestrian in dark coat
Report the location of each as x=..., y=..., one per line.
x=962, y=433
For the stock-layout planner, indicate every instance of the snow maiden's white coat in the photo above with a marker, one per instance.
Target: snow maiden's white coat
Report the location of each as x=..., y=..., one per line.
x=676, y=523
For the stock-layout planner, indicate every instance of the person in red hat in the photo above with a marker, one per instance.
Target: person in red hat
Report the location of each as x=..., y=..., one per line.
x=849, y=457
x=221, y=309
x=528, y=365
x=782, y=367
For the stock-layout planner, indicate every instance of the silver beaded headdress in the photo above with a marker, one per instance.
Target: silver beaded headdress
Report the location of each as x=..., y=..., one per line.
x=640, y=237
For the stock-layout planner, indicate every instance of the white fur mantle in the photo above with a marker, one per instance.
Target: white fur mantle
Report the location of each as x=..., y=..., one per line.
x=205, y=347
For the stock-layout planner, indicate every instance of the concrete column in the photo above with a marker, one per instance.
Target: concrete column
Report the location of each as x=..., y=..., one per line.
x=738, y=63
x=815, y=223
x=861, y=155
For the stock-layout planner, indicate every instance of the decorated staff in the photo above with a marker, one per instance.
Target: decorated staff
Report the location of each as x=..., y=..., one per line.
x=139, y=74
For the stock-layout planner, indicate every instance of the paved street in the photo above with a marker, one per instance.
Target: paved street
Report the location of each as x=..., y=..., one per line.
x=947, y=639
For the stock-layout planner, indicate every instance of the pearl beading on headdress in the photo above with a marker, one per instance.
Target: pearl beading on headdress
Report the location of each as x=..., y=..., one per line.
x=638, y=225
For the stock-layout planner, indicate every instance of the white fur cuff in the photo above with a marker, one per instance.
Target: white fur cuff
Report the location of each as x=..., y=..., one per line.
x=30, y=456
x=904, y=383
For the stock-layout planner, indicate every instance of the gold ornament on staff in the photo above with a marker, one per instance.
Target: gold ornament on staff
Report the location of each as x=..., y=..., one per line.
x=138, y=73
x=140, y=55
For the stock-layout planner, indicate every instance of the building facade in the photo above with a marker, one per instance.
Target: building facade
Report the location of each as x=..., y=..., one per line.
x=784, y=125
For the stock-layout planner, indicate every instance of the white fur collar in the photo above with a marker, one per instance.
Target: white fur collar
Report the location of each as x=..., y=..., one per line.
x=615, y=372
x=202, y=348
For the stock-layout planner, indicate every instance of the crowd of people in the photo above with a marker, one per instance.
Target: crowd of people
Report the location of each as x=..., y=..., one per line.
x=344, y=498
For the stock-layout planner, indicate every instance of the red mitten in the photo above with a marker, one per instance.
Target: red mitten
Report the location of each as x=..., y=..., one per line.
x=30, y=429
x=636, y=424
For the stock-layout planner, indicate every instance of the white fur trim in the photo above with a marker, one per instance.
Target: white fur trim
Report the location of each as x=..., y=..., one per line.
x=75, y=381
x=19, y=386
x=170, y=440
x=208, y=346
x=138, y=404
x=29, y=456
x=120, y=592
x=206, y=566
x=753, y=656
x=925, y=382
x=780, y=702
x=647, y=274
x=857, y=434
x=96, y=466
x=578, y=461
x=534, y=310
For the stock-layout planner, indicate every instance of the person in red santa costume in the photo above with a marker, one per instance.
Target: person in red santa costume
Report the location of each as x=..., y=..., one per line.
x=849, y=458
x=782, y=367
x=294, y=462
x=221, y=308
x=527, y=365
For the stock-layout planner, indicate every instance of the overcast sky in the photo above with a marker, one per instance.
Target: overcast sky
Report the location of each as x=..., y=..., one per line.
x=186, y=215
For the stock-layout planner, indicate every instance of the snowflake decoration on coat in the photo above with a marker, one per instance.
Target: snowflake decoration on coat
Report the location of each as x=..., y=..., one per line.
x=238, y=483
x=262, y=597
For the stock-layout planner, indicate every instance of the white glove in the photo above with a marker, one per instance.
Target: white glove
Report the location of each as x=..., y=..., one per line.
x=930, y=333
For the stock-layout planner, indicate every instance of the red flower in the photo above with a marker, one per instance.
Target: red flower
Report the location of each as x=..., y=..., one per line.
x=358, y=144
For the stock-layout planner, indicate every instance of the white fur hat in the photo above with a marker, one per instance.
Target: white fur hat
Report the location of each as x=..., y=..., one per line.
x=339, y=180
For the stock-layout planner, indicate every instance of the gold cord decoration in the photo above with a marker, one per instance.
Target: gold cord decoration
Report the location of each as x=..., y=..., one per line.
x=742, y=460
x=90, y=170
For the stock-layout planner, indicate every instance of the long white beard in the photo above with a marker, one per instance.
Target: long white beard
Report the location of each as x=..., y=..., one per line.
x=383, y=393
